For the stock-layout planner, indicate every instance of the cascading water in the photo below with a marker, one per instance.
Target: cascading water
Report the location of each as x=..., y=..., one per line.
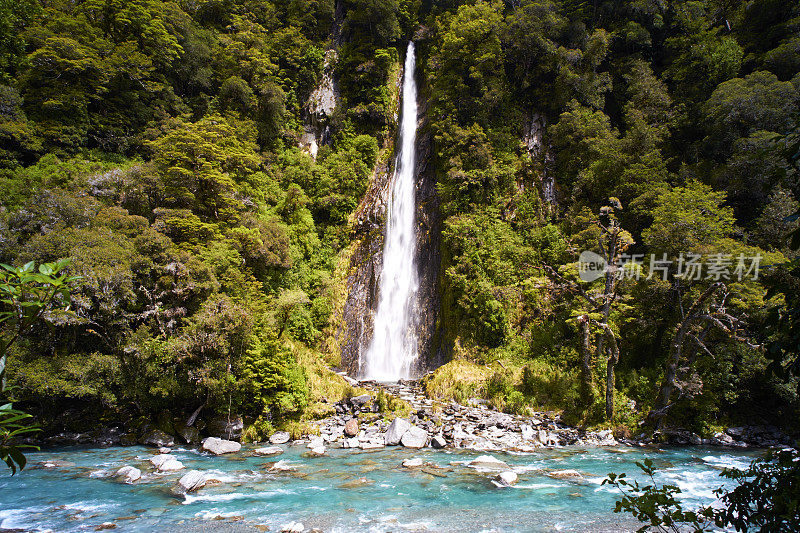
x=393, y=349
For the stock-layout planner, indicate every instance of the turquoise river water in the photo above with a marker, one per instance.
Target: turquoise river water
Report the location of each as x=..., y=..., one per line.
x=346, y=490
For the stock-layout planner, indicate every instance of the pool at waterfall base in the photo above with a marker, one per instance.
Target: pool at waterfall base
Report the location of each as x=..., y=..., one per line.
x=558, y=489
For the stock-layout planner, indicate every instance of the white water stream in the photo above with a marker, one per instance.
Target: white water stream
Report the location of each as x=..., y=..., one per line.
x=393, y=349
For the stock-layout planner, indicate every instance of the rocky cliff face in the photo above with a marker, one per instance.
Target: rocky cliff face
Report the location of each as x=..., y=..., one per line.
x=366, y=262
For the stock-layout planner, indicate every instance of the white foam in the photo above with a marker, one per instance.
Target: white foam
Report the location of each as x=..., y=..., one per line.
x=213, y=514
x=192, y=498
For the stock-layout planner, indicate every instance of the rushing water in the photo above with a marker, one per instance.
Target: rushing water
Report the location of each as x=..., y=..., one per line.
x=346, y=490
x=393, y=349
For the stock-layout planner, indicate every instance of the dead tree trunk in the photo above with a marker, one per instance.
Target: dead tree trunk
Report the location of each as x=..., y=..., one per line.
x=613, y=358
x=662, y=404
x=587, y=381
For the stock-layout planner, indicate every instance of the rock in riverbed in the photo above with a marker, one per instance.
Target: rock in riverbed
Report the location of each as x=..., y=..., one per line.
x=505, y=479
x=190, y=482
x=267, y=451
x=416, y=462
x=220, y=446
x=487, y=462
x=128, y=474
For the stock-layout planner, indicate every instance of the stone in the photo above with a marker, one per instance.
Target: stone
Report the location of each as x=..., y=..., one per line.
x=105, y=525
x=56, y=463
x=358, y=401
x=160, y=459
x=396, y=430
x=723, y=439
x=171, y=465
x=280, y=437
x=412, y=463
x=736, y=432
x=351, y=428
x=129, y=474
x=220, y=446
x=316, y=442
x=569, y=475
x=371, y=445
x=438, y=441
x=350, y=381
x=293, y=527
x=191, y=481
x=157, y=438
x=164, y=449
x=488, y=462
x=506, y=479
x=283, y=466
x=414, y=438
x=267, y=451
x=226, y=427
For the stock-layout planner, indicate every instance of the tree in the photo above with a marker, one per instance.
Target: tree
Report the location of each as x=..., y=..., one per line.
x=25, y=296
x=687, y=220
x=612, y=242
x=706, y=313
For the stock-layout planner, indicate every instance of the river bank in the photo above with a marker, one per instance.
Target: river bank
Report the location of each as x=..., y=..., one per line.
x=363, y=420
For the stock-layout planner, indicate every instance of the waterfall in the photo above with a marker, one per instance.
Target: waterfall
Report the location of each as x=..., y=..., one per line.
x=393, y=349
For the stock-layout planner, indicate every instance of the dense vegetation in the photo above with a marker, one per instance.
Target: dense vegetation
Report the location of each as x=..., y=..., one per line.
x=155, y=145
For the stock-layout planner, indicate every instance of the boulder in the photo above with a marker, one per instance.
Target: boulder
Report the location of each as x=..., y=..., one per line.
x=171, y=465
x=189, y=482
x=283, y=466
x=506, y=479
x=157, y=438
x=412, y=463
x=568, y=475
x=414, y=438
x=220, y=446
x=280, y=437
x=438, y=441
x=358, y=401
x=226, y=427
x=128, y=474
x=396, y=430
x=488, y=462
x=160, y=459
x=351, y=428
x=164, y=449
x=269, y=450
x=317, y=450
x=316, y=442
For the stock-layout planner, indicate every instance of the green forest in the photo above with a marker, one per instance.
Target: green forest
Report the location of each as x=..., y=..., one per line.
x=158, y=148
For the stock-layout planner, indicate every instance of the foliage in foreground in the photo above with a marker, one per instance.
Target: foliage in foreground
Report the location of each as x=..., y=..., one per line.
x=26, y=293
x=766, y=498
